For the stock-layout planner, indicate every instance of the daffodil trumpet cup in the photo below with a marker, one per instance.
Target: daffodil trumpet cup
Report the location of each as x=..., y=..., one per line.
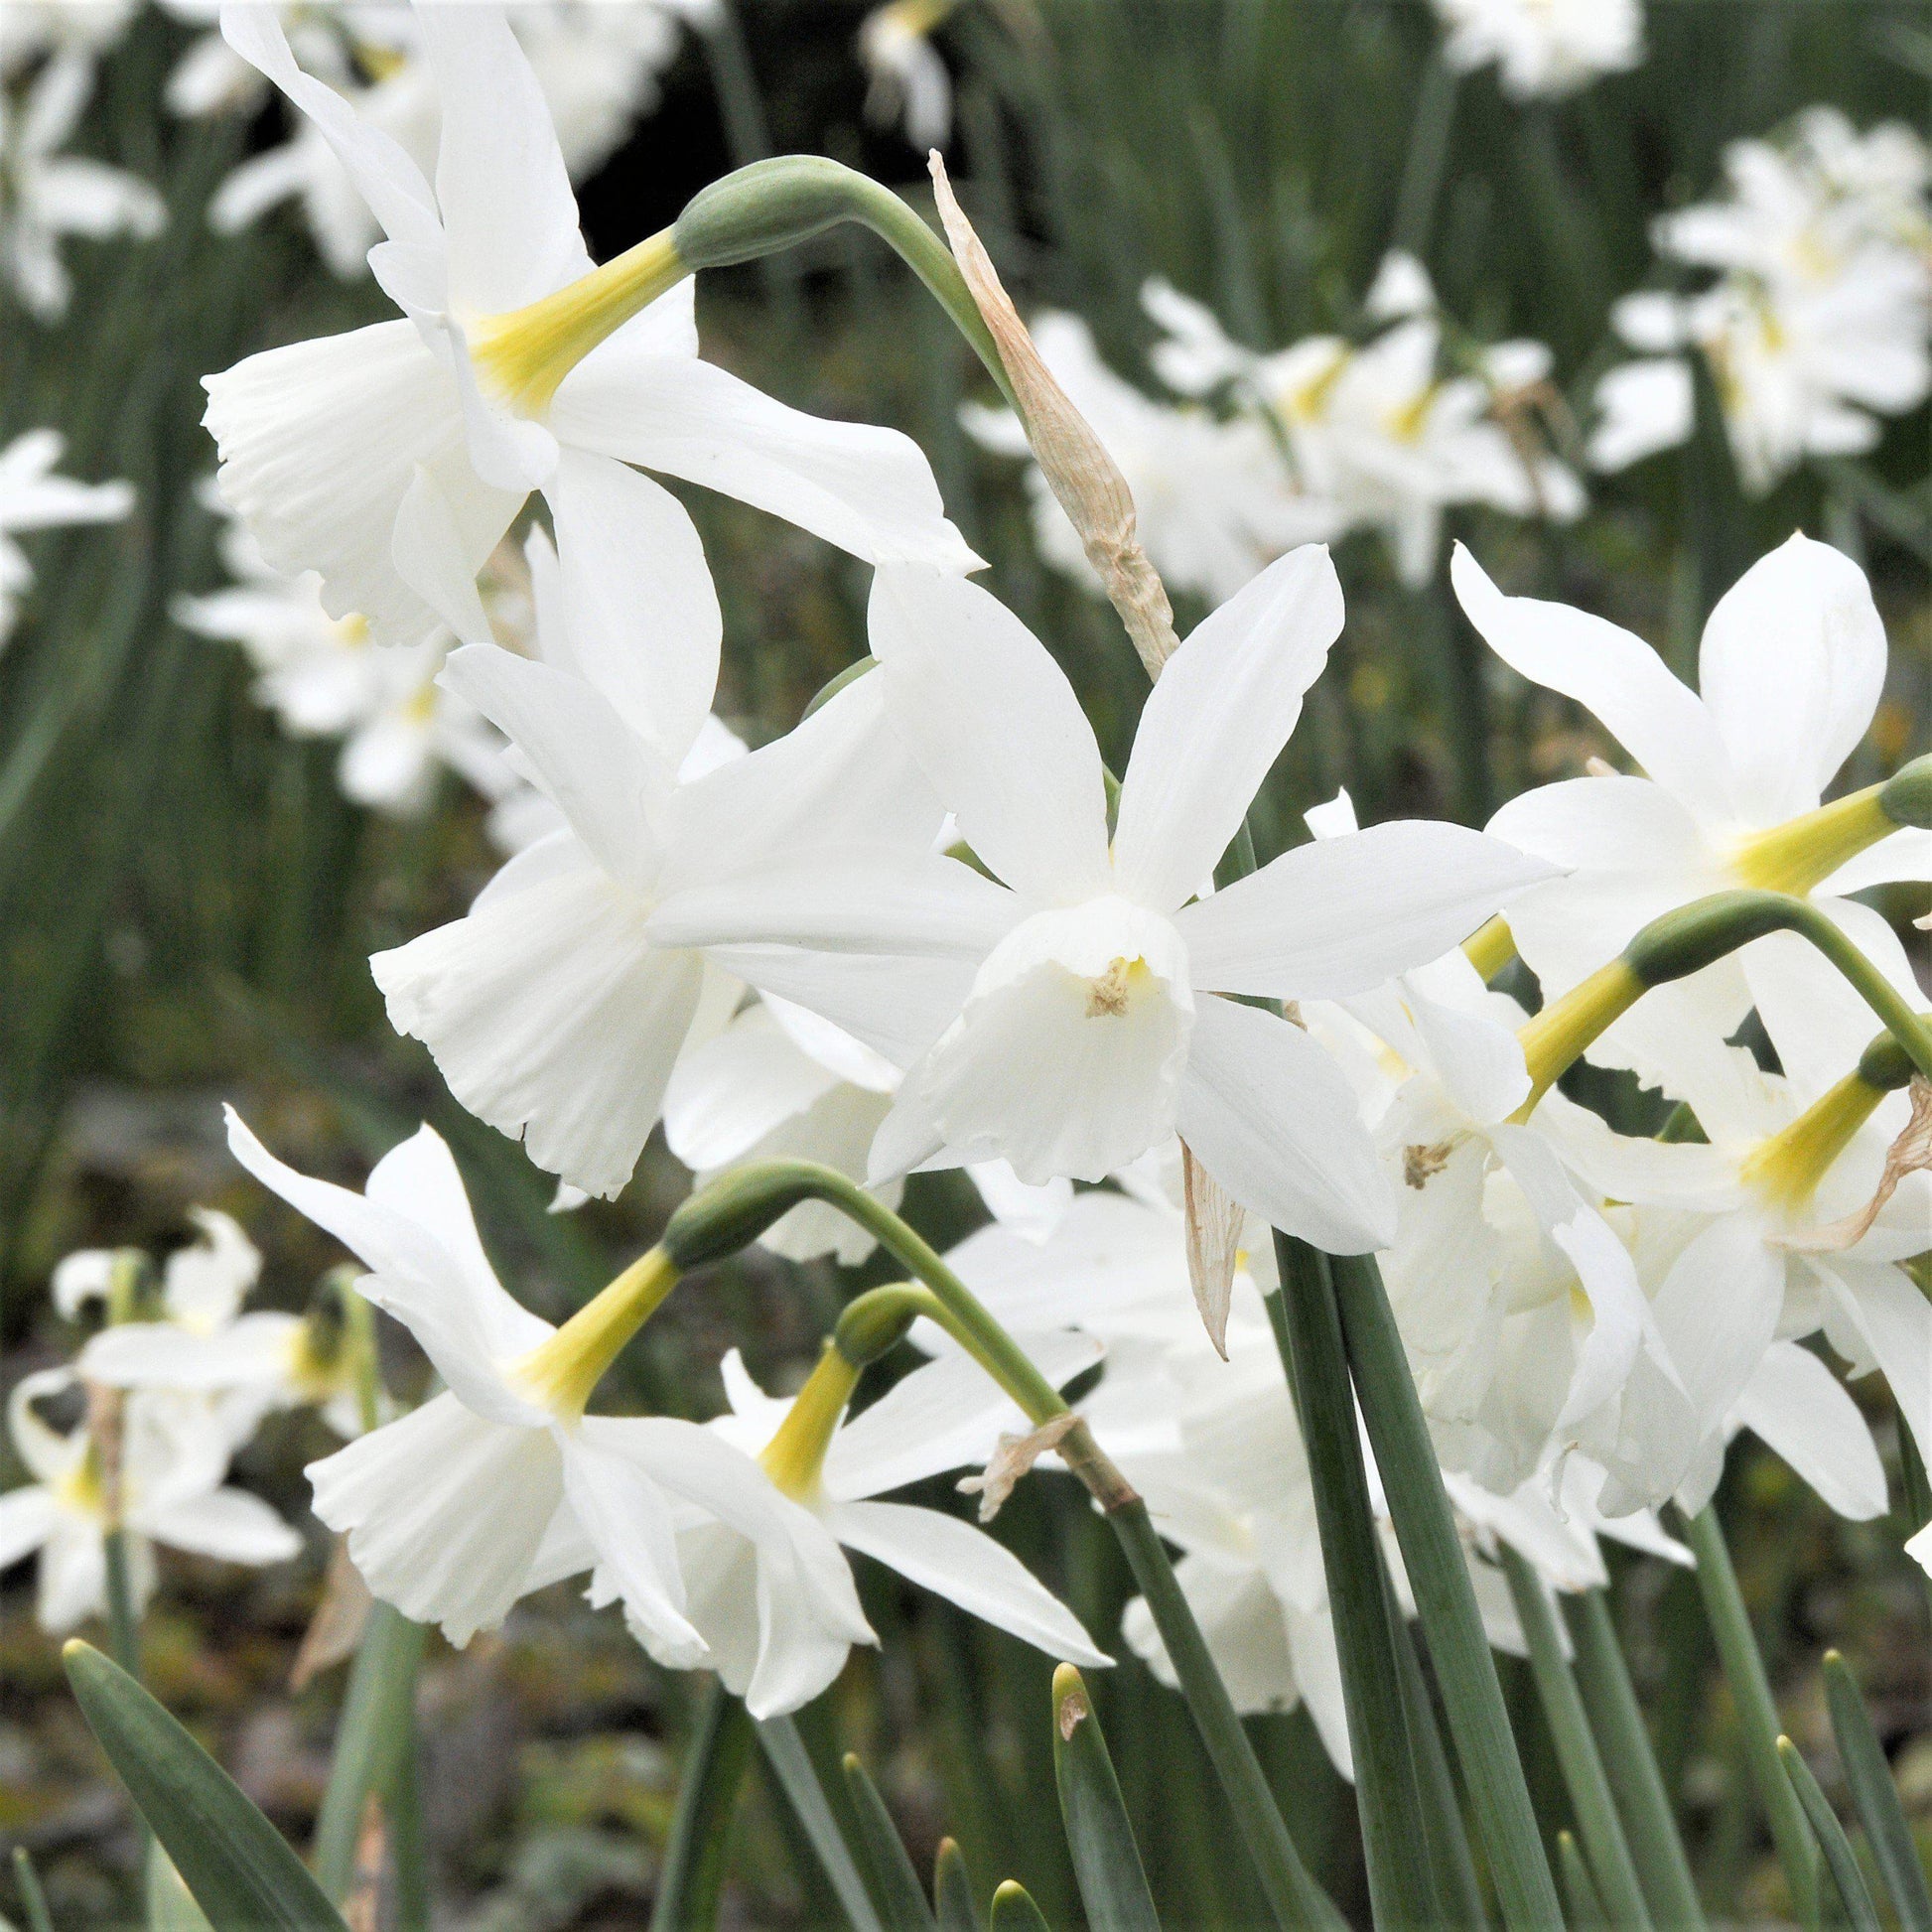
x=737, y=1208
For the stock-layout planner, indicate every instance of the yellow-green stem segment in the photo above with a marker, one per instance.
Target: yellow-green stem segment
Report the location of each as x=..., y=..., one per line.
x=562, y=1372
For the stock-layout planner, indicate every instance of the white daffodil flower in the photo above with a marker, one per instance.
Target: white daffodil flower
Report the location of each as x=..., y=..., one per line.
x=33, y=497
x=909, y=81
x=1726, y=1252
x=46, y=195
x=1543, y=48
x=1375, y=432
x=782, y=1083
x=173, y=1454
x=551, y=1009
x=766, y=1650
x=1065, y=1014
x=322, y=677
x=390, y=460
x=1213, y=500
x=501, y=1484
x=1792, y=665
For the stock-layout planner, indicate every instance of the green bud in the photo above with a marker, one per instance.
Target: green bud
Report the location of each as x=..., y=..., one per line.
x=1906, y=797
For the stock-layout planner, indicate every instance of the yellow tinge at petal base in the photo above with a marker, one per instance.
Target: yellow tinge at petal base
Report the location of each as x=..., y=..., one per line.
x=794, y=1455
x=1786, y=1168
x=561, y=1372
x=525, y=354
x=1799, y=854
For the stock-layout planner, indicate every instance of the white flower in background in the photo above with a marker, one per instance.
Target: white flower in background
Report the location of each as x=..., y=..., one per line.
x=501, y=1484
x=597, y=63
x=1064, y=1014
x=322, y=677
x=1213, y=500
x=33, y=497
x=45, y=196
x=1748, y=1239
x=32, y=27
x=392, y=459
x=1791, y=669
x=836, y=1471
x=1819, y=321
x=781, y=1083
x=1543, y=46
x=1376, y=432
x=909, y=81
x=199, y=1341
x=551, y=1009
x=174, y=1456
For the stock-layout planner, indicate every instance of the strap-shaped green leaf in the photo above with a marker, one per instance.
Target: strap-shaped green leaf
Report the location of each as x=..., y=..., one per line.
x=894, y=1883
x=171, y=1906
x=952, y=1889
x=693, y=1874
x=239, y=1867
x=791, y=1765
x=1013, y=1910
x=1876, y=1797
x=1839, y=1855
x=33, y=1901
x=1106, y=1861
x=1579, y=1887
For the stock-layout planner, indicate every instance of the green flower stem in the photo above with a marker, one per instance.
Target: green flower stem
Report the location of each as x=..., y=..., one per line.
x=33, y=1901
x=1617, y=1721
x=1875, y=1795
x=1308, y=1334
x=1583, y=1767
x=1750, y=1689
x=123, y=1624
x=737, y=1208
x=1587, y=1912
x=1432, y=1550
x=693, y=1872
x=777, y=203
x=375, y=1741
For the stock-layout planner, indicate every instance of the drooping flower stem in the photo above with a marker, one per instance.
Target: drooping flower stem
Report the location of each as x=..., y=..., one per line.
x=736, y=1208
x=1617, y=1721
x=1432, y=1552
x=773, y=205
x=1584, y=1776
x=1758, y=1716
x=1684, y=942
x=1308, y=1332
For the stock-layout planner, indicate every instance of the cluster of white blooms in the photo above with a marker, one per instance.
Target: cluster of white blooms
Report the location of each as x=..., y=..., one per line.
x=46, y=78
x=1819, y=321
x=163, y=1399
x=1543, y=46
x=926, y=930
x=1324, y=437
x=33, y=497
x=598, y=65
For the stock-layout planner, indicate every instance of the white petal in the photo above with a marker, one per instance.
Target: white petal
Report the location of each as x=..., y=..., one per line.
x=1657, y=719
x=1718, y=1309
x=74, y=1574
x=444, y=1512
x=1791, y=667
x=26, y=1521
x=1033, y=1211
x=1895, y=1321
x=1216, y=720
x=640, y=617
x=966, y=1566
x=602, y=775
x=885, y=901
x=428, y=549
x=626, y=1519
x=868, y=490
x=1317, y=1672
x=1904, y=855
x=553, y=1018
x=1342, y=914
x=997, y=728
x=157, y=1354
x=226, y=1523
x=730, y=1092
x=1801, y=1410
x=1607, y=824
x=499, y=177
x=461, y=1320
x=1273, y=1118
x=947, y=1415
